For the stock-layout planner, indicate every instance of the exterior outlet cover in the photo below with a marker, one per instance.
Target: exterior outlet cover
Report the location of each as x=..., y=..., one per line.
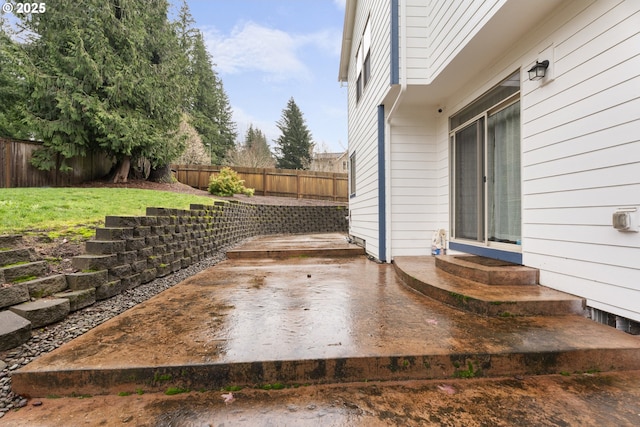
x=626, y=219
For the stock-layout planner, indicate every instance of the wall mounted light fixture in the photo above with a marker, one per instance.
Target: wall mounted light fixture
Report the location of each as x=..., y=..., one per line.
x=539, y=70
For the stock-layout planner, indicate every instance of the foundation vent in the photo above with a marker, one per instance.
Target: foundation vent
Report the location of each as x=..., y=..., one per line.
x=621, y=323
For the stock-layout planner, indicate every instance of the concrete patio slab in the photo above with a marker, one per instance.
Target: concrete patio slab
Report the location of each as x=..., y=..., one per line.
x=304, y=320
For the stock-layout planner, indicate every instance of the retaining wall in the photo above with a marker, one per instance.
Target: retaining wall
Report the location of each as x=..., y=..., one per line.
x=130, y=251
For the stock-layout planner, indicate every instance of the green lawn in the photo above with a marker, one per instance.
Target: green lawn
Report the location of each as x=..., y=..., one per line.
x=77, y=211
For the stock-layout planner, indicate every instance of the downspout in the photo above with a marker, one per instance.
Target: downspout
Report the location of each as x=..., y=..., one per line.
x=398, y=7
x=402, y=9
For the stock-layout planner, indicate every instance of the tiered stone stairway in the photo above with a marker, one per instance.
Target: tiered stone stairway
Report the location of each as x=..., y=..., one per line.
x=485, y=286
x=29, y=298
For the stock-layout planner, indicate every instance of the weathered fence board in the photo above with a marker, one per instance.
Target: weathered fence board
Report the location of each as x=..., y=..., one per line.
x=16, y=169
x=273, y=182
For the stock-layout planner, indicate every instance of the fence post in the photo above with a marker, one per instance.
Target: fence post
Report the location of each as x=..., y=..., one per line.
x=264, y=181
x=335, y=188
x=298, y=196
x=7, y=170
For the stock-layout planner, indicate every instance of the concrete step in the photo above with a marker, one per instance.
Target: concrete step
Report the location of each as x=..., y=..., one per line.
x=311, y=321
x=487, y=271
x=421, y=274
x=43, y=311
x=23, y=271
x=14, y=330
x=295, y=253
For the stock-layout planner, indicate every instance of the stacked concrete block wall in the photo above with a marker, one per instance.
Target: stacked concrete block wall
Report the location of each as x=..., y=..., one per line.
x=131, y=250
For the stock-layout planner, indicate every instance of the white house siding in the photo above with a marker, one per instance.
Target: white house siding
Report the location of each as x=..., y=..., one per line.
x=450, y=26
x=363, y=119
x=581, y=159
x=414, y=185
x=580, y=149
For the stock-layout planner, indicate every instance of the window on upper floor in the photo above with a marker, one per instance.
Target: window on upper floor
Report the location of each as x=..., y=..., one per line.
x=363, y=61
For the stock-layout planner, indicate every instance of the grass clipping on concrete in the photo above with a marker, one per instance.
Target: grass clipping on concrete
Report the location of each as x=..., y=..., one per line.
x=76, y=212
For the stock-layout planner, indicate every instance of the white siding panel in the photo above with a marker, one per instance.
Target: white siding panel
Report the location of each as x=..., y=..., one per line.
x=598, y=160
x=622, y=175
x=620, y=256
x=453, y=25
x=627, y=195
x=598, y=235
x=363, y=123
x=596, y=144
x=596, y=122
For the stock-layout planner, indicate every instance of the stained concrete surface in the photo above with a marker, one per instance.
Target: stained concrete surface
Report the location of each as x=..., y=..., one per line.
x=349, y=309
x=602, y=400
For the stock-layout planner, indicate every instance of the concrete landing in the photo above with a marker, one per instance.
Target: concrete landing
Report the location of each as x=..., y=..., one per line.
x=287, y=246
x=306, y=320
x=421, y=274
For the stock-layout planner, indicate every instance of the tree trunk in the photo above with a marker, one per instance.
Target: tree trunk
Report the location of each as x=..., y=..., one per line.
x=122, y=171
x=160, y=174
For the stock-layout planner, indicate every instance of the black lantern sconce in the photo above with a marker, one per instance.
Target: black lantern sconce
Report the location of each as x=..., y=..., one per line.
x=539, y=70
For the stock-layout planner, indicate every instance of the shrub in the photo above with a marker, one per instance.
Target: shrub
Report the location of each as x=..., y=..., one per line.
x=228, y=183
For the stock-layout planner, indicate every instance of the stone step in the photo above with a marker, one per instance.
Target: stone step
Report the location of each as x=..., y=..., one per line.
x=10, y=241
x=104, y=247
x=421, y=274
x=43, y=311
x=13, y=256
x=29, y=270
x=14, y=330
x=46, y=286
x=486, y=270
x=79, y=299
x=12, y=294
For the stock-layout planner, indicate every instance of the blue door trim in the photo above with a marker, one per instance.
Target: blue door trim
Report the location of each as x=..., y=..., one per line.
x=382, y=197
x=514, y=257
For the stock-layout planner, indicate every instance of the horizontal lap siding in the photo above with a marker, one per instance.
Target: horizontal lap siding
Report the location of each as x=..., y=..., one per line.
x=581, y=159
x=414, y=185
x=451, y=25
x=363, y=123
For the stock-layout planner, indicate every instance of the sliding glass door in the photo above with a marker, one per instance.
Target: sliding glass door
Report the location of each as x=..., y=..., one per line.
x=485, y=153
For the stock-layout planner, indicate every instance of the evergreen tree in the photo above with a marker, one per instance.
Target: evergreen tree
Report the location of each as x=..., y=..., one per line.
x=12, y=90
x=105, y=76
x=294, y=145
x=253, y=153
x=210, y=106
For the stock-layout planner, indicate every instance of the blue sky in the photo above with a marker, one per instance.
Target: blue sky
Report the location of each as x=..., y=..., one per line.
x=267, y=51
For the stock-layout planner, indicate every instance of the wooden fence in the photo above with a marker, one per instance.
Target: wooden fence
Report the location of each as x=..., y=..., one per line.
x=16, y=169
x=273, y=182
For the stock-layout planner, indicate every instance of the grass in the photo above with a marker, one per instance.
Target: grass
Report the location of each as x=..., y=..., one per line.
x=75, y=212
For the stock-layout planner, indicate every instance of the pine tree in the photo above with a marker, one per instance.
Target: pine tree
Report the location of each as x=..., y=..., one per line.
x=12, y=88
x=105, y=76
x=210, y=107
x=253, y=153
x=294, y=145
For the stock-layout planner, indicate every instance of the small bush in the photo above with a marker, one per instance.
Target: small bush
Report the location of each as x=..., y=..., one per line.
x=228, y=183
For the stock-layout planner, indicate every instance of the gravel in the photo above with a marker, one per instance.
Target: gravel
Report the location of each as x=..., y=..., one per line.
x=48, y=338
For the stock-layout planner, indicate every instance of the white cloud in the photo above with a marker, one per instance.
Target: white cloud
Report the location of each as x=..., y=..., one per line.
x=253, y=47
x=340, y=3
